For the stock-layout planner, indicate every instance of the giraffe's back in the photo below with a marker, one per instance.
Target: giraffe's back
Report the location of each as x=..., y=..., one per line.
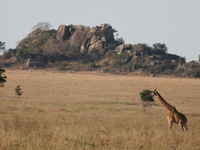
x=179, y=116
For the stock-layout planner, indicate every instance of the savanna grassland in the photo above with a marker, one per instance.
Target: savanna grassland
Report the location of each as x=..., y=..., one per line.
x=72, y=111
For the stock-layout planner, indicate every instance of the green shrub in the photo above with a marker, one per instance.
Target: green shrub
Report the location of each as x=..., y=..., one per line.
x=115, y=63
x=168, y=71
x=192, y=73
x=106, y=70
x=178, y=72
x=91, y=66
x=61, y=67
x=25, y=51
x=18, y=90
x=158, y=68
x=138, y=66
x=41, y=40
x=144, y=95
x=129, y=67
x=105, y=63
x=121, y=57
x=109, y=53
x=34, y=47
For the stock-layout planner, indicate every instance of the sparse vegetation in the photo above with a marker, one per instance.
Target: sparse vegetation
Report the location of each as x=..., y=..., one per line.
x=91, y=66
x=105, y=64
x=192, y=73
x=92, y=111
x=45, y=48
x=18, y=91
x=129, y=67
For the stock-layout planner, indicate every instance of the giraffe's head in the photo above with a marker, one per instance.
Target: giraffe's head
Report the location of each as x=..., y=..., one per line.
x=153, y=93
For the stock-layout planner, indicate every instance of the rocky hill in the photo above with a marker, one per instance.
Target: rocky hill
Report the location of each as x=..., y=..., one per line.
x=81, y=48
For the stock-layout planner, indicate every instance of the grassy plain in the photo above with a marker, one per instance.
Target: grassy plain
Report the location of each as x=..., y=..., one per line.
x=72, y=111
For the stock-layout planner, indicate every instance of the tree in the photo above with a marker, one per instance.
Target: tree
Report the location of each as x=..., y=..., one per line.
x=144, y=95
x=44, y=26
x=159, y=46
x=2, y=46
x=2, y=77
x=119, y=41
x=18, y=90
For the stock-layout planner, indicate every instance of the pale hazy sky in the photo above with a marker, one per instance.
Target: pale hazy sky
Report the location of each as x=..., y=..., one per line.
x=173, y=22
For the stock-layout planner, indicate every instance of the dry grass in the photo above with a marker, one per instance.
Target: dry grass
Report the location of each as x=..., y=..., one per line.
x=94, y=111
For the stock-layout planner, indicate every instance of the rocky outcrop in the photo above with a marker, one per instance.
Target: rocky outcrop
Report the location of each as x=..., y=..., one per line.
x=30, y=38
x=188, y=66
x=86, y=40
x=36, y=33
x=140, y=50
x=75, y=39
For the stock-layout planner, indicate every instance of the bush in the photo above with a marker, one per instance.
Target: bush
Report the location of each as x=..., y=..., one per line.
x=144, y=95
x=109, y=53
x=2, y=77
x=91, y=66
x=106, y=70
x=158, y=68
x=119, y=41
x=41, y=40
x=129, y=67
x=192, y=73
x=116, y=63
x=105, y=63
x=18, y=91
x=178, y=72
x=121, y=57
x=168, y=71
x=61, y=67
x=25, y=51
x=137, y=66
x=34, y=47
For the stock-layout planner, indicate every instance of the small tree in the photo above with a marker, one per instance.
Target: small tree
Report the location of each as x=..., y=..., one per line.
x=144, y=95
x=18, y=90
x=2, y=47
x=159, y=46
x=2, y=77
x=44, y=26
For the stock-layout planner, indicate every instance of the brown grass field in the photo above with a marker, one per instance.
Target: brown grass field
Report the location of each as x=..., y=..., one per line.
x=83, y=111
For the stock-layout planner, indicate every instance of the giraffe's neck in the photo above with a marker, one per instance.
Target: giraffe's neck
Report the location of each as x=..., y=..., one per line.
x=166, y=105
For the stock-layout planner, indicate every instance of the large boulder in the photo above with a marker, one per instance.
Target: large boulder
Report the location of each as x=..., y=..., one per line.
x=94, y=39
x=119, y=49
x=36, y=33
x=79, y=40
x=105, y=31
x=140, y=50
x=63, y=32
x=97, y=47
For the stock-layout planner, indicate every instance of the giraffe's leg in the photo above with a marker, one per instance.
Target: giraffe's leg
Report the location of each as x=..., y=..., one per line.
x=169, y=121
x=183, y=125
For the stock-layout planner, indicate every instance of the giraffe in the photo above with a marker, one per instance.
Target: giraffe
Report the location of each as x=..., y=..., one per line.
x=173, y=115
